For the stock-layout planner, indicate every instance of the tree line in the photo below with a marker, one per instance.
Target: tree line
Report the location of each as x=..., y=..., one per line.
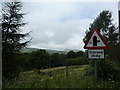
x=41, y=59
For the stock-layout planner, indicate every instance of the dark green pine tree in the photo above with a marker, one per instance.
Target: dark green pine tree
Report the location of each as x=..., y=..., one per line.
x=12, y=37
x=109, y=31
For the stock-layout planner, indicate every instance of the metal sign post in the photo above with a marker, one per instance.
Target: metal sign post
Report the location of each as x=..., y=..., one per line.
x=95, y=64
x=96, y=54
x=119, y=28
x=95, y=45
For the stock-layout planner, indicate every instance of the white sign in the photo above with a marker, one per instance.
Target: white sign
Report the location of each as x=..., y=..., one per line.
x=96, y=54
x=95, y=41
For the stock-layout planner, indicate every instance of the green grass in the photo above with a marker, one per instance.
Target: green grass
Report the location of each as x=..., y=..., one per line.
x=77, y=79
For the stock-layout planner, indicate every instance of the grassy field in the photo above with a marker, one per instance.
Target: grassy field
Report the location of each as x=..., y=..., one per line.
x=56, y=78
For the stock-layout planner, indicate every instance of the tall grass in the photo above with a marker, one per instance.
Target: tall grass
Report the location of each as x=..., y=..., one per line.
x=76, y=79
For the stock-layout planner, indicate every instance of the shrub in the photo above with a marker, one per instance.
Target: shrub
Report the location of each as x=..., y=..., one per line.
x=106, y=70
x=77, y=61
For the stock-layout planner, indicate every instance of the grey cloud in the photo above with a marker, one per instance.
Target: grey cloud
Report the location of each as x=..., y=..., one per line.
x=60, y=25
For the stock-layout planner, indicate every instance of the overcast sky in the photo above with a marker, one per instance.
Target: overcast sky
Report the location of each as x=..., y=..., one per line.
x=62, y=25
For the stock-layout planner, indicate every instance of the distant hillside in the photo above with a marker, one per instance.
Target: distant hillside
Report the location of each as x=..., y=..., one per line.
x=28, y=50
x=55, y=51
x=75, y=50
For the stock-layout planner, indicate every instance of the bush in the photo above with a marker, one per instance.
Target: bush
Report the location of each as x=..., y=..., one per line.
x=77, y=61
x=106, y=70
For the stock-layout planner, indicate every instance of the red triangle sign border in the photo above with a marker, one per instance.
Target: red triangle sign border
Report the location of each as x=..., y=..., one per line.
x=97, y=47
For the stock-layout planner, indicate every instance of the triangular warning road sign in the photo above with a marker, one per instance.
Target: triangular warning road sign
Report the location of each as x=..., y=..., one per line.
x=95, y=41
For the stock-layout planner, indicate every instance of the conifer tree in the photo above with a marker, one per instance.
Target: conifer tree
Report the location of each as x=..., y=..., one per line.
x=13, y=40
x=109, y=31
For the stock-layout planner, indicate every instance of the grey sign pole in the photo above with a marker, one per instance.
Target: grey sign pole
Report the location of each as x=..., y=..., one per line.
x=96, y=68
x=0, y=56
x=119, y=27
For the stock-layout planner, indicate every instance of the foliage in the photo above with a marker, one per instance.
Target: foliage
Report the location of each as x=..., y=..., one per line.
x=109, y=31
x=77, y=79
x=12, y=38
x=57, y=60
x=23, y=60
x=72, y=54
x=106, y=70
x=77, y=61
x=39, y=59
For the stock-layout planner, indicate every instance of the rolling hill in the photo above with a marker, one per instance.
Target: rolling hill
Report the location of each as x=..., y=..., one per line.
x=28, y=50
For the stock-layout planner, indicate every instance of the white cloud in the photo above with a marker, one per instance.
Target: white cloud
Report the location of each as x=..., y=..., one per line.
x=62, y=25
x=49, y=33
